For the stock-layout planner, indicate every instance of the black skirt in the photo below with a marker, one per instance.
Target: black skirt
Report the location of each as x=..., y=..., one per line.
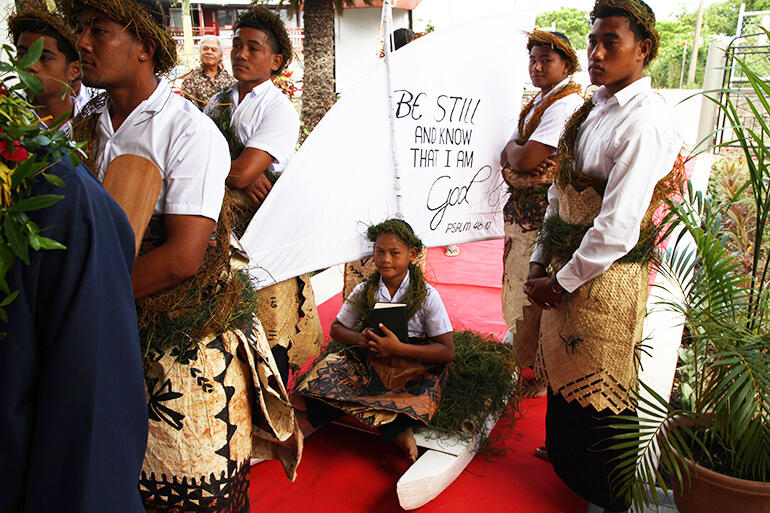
x=578, y=446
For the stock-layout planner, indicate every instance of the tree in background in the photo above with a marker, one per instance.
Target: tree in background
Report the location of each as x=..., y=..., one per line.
x=666, y=70
x=572, y=22
x=720, y=20
x=318, y=86
x=722, y=17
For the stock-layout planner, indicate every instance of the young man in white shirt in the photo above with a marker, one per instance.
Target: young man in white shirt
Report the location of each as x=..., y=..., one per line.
x=140, y=115
x=214, y=416
x=58, y=66
x=262, y=126
x=621, y=145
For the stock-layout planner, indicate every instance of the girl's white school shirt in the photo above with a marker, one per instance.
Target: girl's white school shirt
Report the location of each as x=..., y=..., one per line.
x=431, y=320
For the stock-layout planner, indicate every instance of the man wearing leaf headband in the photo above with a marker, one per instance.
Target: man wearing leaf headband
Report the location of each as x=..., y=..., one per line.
x=598, y=238
x=261, y=127
x=213, y=393
x=58, y=67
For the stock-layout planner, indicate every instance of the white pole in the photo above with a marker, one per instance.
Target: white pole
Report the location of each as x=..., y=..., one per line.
x=187, y=33
x=387, y=28
x=695, y=45
x=741, y=13
x=684, y=58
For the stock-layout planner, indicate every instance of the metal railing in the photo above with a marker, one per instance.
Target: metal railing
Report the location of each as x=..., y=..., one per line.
x=198, y=32
x=754, y=51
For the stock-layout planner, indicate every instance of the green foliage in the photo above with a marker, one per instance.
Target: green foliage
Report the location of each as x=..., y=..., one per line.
x=396, y=227
x=722, y=17
x=574, y=23
x=666, y=70
x=180, y=328
x=27, y=150
x=730, y=192
x=560, y=239
x=725, y=303
x=481, y=383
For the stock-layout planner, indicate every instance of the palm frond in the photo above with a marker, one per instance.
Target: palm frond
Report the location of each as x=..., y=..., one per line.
x=725, y=305
x=658, y=436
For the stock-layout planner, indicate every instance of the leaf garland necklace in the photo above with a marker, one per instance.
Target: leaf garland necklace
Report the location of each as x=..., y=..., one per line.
x=528, y=201
x=222, y=116
x=526, y=129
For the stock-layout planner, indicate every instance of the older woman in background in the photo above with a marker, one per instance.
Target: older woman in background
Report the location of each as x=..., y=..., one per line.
x=210, y=78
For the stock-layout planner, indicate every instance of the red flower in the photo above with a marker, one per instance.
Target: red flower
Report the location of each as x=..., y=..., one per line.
x=13, y=151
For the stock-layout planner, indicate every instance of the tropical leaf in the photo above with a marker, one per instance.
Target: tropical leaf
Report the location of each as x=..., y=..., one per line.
x=34, y=52
x=725, y=306
x=36, y=202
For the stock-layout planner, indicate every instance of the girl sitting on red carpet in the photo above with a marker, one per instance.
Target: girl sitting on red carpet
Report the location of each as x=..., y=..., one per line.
x=382, y=381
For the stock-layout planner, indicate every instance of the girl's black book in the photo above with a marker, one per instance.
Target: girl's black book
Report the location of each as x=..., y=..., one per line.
x=393, y=316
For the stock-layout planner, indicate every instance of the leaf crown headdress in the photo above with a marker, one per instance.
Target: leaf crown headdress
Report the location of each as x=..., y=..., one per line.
x=143, y=17
x=638, y=13
x=40, y=12
x=556, y=41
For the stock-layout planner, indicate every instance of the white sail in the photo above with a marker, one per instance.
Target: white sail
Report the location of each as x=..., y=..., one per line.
x=456, y=95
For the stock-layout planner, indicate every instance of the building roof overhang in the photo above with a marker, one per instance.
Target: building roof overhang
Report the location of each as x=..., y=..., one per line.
x=398, y=4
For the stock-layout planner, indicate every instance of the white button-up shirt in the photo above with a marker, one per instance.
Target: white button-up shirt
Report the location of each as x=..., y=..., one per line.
x=187, y=147
x=630, y=140
x=431, y=320
x=264, y=119
x=554, y=118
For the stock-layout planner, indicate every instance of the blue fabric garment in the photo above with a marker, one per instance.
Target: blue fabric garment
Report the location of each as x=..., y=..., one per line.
x=73, y=414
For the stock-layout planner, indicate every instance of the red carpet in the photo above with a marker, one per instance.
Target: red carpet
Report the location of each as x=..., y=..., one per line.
x=347, y=471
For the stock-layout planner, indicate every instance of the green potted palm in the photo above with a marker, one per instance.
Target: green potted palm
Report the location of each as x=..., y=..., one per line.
x=712, y=440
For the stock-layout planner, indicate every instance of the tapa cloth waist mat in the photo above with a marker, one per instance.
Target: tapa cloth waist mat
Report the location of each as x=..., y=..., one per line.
x=211, y=409
x=289, y=315
x=287, y=309
x=588, y=343
x=213, y=403
x=375, y=389
x=519, y=244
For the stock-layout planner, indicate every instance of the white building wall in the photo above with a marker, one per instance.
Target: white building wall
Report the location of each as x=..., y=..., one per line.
x=6, y=7
x=358, y=42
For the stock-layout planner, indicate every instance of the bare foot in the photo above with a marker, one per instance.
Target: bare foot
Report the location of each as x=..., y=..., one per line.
x=406, y=441
x=542, y=453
